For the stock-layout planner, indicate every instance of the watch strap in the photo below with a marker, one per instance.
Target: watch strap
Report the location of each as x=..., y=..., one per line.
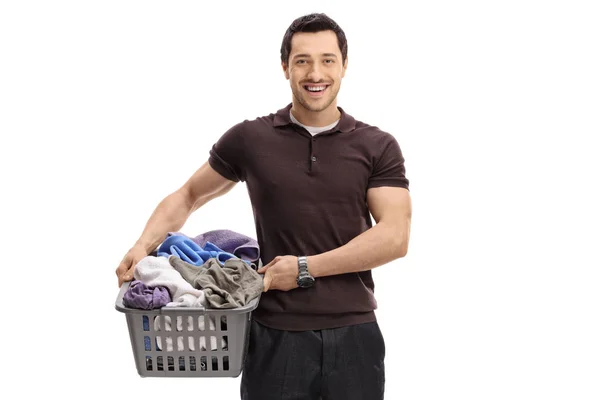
x=302, y=265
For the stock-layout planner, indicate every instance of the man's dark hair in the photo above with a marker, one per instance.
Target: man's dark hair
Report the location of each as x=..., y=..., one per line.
x=313, y=23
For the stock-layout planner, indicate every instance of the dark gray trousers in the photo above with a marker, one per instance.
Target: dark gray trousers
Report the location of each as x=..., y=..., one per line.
x=330, y=364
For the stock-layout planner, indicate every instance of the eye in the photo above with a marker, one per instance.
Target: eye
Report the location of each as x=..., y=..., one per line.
x=329, y=61
x=300, y=61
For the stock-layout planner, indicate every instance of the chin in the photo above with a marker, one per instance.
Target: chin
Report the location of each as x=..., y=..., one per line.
x=317, y=106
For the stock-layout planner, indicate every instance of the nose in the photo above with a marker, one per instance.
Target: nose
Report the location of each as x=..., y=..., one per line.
x=315, y=74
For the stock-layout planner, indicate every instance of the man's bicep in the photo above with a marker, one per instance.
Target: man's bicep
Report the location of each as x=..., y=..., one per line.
x=392, y=206
x=206, y=184
x=389, y=203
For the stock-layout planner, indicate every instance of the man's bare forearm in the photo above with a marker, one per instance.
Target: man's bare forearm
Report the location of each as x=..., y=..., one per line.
x=374, y=247
x=169, y=216
x=172, y=213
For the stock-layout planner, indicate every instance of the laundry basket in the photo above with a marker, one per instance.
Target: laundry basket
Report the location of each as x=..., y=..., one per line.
x=188, y=342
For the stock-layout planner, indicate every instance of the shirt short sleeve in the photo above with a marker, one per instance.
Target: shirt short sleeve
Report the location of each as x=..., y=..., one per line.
x=389, y=168
x=227, y=155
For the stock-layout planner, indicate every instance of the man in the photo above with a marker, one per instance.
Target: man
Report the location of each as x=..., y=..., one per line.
x=314, y=175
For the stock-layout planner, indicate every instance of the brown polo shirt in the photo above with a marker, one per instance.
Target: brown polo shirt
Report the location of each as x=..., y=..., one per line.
x=308, y=195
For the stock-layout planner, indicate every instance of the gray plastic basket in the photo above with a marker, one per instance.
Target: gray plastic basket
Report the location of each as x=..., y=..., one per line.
x=188, y=342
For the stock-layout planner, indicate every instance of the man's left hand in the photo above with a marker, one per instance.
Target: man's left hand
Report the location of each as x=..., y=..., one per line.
x=281, y=273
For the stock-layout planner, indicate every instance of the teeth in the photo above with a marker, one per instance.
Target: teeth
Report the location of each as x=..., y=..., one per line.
x=315, y=88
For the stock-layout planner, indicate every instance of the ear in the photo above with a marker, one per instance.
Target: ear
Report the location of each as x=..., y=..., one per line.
x=285, y=70
x=344, y=67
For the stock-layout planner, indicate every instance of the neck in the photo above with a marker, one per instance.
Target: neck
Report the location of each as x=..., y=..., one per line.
x=316, y=118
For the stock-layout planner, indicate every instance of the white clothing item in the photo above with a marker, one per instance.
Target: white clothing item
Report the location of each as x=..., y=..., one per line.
x=156, y=271
x=190, y=327
x=313, y=130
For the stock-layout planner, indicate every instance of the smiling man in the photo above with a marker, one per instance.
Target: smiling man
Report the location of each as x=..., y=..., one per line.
x=314, y=87
x=315, y=175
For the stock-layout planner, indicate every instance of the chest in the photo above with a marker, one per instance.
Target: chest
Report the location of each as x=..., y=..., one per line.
x=294, y=168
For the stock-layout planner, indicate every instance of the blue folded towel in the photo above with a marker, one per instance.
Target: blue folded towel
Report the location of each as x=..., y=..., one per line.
x=185, y=248
x=232, y=242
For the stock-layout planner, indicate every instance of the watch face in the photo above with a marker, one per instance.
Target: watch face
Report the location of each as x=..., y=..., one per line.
x=306, y=282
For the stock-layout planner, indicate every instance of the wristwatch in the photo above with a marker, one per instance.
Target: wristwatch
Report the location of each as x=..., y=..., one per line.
x=305, y=279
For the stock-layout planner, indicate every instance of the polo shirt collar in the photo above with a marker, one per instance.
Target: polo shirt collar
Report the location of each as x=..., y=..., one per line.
x=347, y=122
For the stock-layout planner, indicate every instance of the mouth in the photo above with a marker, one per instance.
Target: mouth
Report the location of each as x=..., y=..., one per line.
x=316, y=90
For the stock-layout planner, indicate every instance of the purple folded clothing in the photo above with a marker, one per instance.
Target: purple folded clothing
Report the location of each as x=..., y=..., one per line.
x=138, y=295
x=232, y=242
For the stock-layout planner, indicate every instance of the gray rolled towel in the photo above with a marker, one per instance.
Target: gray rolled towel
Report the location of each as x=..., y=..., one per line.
x=232, y=285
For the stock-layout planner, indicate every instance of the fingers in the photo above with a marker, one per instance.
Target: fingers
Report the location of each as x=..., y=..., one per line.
x=123, y=266
x=129, y=274
x=120, y=272
x=123, y=270
x=267, y=282
x=126, y=277
x=265, y=267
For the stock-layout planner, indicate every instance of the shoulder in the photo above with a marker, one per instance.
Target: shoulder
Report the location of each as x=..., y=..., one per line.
x=251, y=128
x=258, y=123
x=372, y=134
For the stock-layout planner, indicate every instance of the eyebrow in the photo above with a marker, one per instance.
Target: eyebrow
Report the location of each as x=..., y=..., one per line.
x=308, y=55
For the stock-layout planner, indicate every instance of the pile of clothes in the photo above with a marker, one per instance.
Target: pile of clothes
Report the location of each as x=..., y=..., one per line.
x=215, y=270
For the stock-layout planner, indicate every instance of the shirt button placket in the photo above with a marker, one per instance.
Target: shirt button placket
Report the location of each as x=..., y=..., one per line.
x=313, y=158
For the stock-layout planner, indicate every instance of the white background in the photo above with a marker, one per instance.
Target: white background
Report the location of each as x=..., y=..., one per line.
x=106, y=107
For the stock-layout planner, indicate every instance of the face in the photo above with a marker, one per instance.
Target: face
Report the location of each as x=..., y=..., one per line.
x=315, y=69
